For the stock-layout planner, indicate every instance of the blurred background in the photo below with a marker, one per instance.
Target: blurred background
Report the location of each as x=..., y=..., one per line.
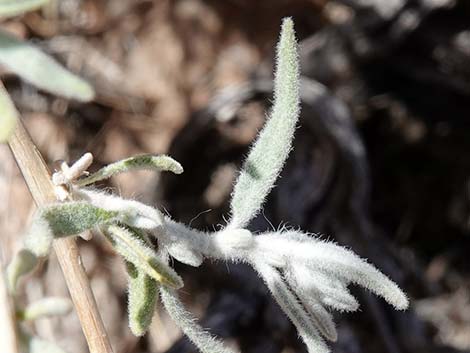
x=380, y=161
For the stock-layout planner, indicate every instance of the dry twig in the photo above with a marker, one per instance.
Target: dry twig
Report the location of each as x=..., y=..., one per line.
x=37, y=177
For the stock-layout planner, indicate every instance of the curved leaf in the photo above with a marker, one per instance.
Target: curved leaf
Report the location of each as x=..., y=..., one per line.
x=41, y=70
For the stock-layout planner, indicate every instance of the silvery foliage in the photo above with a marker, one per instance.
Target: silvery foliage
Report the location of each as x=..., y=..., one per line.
x=306, y=276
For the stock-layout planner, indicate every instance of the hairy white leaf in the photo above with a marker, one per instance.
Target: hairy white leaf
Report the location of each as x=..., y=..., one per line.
x=327, y=288
x=334, y=261
x=322, y=318
x=272, y=147
x=38, y=240
x=291, y=306
x=201, y=338
x=184, y=254
x=132, y=213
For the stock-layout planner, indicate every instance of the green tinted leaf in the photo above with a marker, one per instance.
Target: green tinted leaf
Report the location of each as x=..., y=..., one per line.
x=142, y=299
x=41, y=70
x=148, y=162
x=75, y=217
x=131, y=246
x=8, y=115
x=272, y=147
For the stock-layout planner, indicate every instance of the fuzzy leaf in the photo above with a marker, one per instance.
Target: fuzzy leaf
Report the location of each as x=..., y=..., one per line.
x=38, y=239
x=23, y=263
x=61, y=220
x=291, y=306
x=9, y=8
x=185, y=254
x=75, y=217
x=132, y=213
x=322, y=319
x=136, y=251
x=149, y=162
x=41, y=70
x=142, y=299
x=51, y=306
x=272, y=147
x=8, y=115
x=203, y=340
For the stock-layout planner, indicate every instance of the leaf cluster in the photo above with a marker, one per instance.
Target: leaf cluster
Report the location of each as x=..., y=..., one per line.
x=306, y=276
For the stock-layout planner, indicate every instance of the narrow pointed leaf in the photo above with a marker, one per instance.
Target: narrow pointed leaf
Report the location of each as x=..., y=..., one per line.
x=148, y=162
x=142, y=297
x=291, y=306
x=203, y=340
x=41, y=70
x=322, y=319
x=134, y=250
x=343, y=263
x=9, y=8
x=272, y=147
x=8, y=115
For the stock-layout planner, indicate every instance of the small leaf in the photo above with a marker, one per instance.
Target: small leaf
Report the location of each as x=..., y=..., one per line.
x=51, y=306
x=149, y=162
x=61, y=220
x=142, y=299
x=10, y=8
x=132, y=213
x=23, y=262
x=8, y=115
x=272, y=147
x=185, y=254
x=75, y=217
x=136, y=251
x=41, y=70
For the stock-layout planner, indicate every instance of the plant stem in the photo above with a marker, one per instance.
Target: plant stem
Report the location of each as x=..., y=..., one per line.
x=37, y=177
x=7, y=323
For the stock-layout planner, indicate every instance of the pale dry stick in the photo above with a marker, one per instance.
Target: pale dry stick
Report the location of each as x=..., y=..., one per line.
x=38, y=179
x=7, y=323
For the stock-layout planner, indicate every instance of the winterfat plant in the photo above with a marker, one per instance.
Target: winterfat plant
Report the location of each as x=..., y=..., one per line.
x=307, y=277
